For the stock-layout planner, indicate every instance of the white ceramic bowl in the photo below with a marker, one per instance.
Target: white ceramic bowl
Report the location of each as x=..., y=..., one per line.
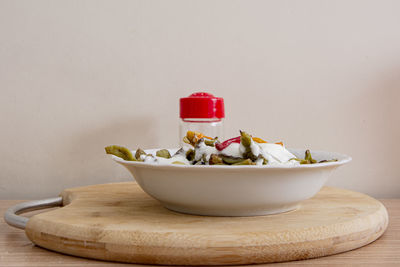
x=233, y=190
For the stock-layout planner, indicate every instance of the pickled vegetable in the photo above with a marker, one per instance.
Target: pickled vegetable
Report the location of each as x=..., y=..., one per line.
x=178, y=162
x=209, y=142
x=193, y=138
x=245, y=139
x=231, y=160
x=245, y=162
x=258, y=140
x=331, y=160
x=186, y=140
x=120, y=151
x=215, y=160
x=226, y=143
x=190, y=155
x=164, y=153
x=309, y=158
x=139, y=153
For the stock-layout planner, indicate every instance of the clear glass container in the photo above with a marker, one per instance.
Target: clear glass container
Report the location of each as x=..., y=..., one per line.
x=212, y=127
x=201, y=112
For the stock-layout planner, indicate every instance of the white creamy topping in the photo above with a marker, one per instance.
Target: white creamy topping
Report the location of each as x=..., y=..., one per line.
x=242, y=149
x=232, y=150
x=275, y=153
x=211, y=150
x=255, y=148
x=203, y=149
x=287, y=163
x=148, y=158
x=260, y=161
x=179, y=157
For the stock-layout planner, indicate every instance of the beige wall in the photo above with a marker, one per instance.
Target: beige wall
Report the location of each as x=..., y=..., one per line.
x=78, y=75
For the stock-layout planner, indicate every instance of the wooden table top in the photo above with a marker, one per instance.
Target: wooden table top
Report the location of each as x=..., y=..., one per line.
x=17, y=250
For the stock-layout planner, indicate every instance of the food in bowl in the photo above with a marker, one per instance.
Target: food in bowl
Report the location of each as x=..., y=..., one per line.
x=204, y=150
x=227, y=188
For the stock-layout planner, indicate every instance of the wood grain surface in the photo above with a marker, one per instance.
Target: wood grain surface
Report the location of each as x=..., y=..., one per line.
x=119, y=222
x=16, y=250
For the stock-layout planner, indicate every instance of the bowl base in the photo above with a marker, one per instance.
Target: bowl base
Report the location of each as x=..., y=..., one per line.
x=230, y=213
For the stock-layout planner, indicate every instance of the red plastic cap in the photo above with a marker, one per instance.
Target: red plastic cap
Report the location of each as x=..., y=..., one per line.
x=202, y=105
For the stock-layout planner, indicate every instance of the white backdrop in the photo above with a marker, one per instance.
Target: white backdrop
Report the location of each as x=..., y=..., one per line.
x=76, y=76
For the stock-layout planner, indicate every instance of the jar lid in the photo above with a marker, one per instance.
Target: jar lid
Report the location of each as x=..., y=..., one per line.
x=202, y=105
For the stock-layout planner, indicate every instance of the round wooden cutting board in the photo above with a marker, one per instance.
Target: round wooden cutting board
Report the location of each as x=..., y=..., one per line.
x=119, y=222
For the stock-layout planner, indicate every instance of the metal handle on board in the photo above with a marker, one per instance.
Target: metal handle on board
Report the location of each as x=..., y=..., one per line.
x=12, y=218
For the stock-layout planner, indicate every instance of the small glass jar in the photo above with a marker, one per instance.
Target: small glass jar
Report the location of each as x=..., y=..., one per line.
x=201, y=112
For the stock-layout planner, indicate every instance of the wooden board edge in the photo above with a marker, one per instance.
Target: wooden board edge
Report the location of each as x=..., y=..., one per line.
x=210, y=255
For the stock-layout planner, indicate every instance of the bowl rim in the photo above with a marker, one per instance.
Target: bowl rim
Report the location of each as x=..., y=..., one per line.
x=343, y=160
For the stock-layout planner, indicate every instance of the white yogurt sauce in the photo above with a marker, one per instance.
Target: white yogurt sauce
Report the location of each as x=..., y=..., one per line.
x=232, y=150
x=179, y=157
x=242, y=149
x=255, y=148
x=277, y=154
x=148, y=158
x=203, y=149
x=260, y=161
x=274, y=153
